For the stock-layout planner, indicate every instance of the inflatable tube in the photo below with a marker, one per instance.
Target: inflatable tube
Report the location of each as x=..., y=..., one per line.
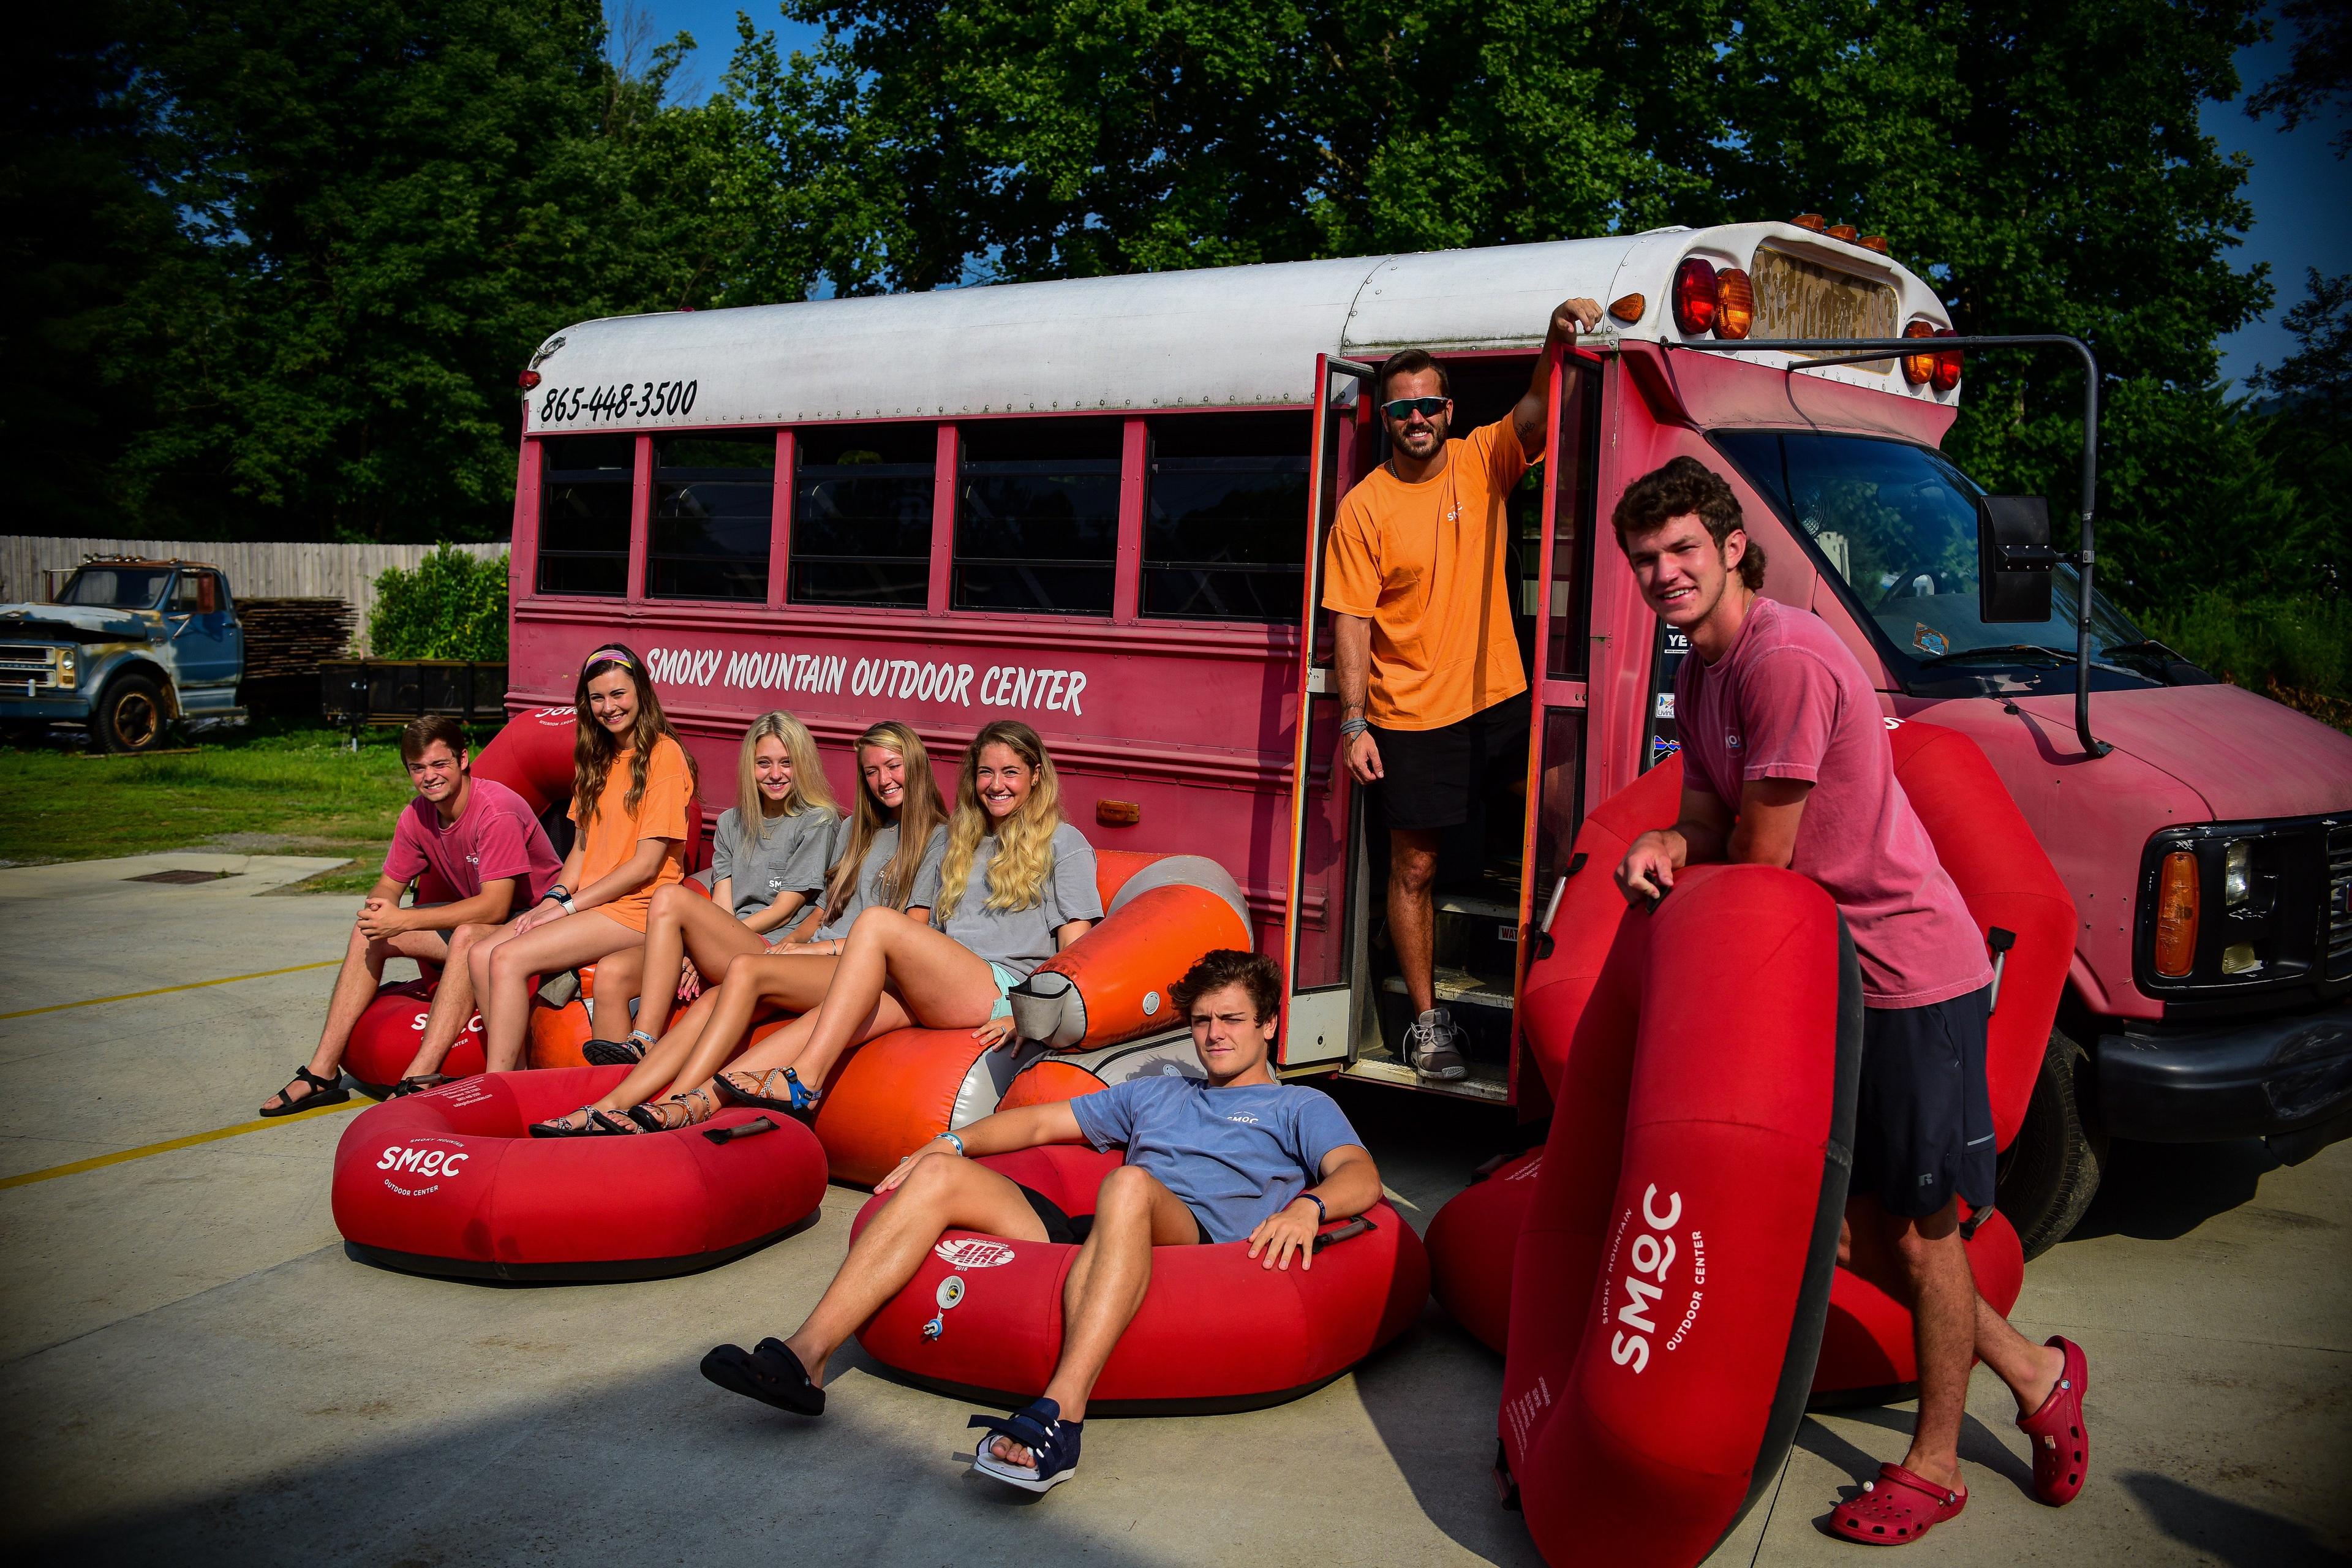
x=449, y=1183
x=1867, y=1356
x=1067, y=1075
x=1674, y=1270
x=1158, y=919
x=899, y=1090
x=1479, y=1224
x=383, y=1042
x=1217, y=1331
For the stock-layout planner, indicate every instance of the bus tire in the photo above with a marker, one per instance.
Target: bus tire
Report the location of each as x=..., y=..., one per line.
x=2050, y=1172
x=131, y=716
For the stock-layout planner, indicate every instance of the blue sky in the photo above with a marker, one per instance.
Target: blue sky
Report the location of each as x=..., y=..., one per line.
x=2301, y=193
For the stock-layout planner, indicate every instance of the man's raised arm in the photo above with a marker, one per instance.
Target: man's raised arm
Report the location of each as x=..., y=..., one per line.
x=1528, y=414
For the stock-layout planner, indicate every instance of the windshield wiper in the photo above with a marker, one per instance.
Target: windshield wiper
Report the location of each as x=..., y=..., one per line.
x=2006, y=650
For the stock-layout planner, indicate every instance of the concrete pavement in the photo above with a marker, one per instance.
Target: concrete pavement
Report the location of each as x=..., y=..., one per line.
x=192, y=1370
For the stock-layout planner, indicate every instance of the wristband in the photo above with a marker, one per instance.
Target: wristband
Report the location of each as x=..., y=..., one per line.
x=954, y=1140
x=1322, y=1215
x=1351, y=727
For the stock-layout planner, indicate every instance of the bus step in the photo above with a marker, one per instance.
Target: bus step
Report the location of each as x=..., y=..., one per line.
x=1486, y=1081
x=1485, y=908
x=1459, y=986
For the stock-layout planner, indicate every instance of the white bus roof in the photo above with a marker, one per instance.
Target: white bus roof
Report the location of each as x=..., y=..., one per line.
x=1215, y=338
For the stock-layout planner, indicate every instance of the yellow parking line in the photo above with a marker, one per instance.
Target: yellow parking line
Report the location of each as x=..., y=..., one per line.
x=102, y=1161
x=166, y=990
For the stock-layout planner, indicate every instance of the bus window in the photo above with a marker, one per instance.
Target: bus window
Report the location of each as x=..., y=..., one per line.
x=1227, y=494
x=584, y=493
x=713, y=504
x=1560, y=810
x=862, y=515
x=1575, y=470
x=1036, y=516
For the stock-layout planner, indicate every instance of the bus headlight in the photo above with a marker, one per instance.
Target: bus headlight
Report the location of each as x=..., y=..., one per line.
x=67, y=675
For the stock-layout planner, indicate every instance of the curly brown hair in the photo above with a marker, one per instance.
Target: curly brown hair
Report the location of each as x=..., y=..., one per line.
x=1683, y=488
x=1252, y=972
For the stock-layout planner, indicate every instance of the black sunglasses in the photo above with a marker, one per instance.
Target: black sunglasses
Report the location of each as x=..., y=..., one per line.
x=1427, y=407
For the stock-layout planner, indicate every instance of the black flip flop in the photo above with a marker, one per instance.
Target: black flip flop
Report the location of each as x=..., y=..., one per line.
x=323, y=1091
x=771, y=1374
x=418, y=1083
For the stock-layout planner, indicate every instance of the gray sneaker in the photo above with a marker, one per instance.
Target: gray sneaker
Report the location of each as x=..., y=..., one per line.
x=1434, y=1045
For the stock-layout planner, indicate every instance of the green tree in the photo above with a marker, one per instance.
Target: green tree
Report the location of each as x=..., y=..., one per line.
x=450, y=607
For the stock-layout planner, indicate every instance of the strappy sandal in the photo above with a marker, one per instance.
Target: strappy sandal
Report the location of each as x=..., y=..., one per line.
x=1896, y=1508
x=771, y=1374
x=321, y=1092
x=417, y=1083
x=2062, y=1449
x=654, y=1115
x=626, y=1053
x=1052, y=1442
x=563, y=1127
x=760, y=1090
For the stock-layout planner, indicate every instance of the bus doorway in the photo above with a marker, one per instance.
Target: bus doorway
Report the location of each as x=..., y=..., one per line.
x=1493, y=869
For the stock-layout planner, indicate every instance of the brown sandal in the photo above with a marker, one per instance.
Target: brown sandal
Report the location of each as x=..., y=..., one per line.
x=654, y=1116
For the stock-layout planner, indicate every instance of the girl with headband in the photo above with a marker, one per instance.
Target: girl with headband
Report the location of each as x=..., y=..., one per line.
x=631, y=782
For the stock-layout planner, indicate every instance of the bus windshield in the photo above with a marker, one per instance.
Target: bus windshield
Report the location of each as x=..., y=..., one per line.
x=1896, y=525
x=118, y=587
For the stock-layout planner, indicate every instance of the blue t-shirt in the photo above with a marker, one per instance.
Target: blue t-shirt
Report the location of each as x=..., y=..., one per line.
x=1233, y=1156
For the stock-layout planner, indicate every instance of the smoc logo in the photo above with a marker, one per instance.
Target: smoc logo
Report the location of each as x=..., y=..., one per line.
x=1653, y=1255
x=971, y=1252
x=423, y=1161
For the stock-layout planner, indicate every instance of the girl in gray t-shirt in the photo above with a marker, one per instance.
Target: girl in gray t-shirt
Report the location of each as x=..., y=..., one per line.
x=767, y=862
x=1016, y=885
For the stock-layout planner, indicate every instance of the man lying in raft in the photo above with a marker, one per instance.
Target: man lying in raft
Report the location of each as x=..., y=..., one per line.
x=482, y=841
x=1786, y=762
x=1239, y=1157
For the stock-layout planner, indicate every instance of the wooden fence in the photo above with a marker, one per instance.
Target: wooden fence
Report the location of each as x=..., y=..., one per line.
x=346, y=572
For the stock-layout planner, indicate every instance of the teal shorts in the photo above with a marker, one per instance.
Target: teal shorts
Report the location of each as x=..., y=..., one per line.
x=1005, y=981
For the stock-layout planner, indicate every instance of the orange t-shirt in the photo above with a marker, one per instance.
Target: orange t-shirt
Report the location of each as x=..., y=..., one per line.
x=611, y=838
x=1425, y=565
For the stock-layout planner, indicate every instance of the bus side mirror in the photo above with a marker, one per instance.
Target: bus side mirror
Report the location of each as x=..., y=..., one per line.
x=2014, y=559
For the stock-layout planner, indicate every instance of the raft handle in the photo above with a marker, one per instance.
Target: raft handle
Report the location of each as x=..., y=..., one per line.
x=2000, y=942
x=751, y=1129
x=1356, y=1227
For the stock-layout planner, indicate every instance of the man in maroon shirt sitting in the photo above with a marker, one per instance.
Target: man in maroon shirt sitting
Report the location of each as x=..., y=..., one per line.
x=1786, y=762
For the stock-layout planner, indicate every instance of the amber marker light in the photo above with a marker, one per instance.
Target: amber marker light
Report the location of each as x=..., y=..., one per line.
x=1845, y=231
x=1812, y=222
x=1919, y=369
x=1629, y=309
x=2175, y=915
x=1876, y=242
x=1735, y=303
x=1118, y=812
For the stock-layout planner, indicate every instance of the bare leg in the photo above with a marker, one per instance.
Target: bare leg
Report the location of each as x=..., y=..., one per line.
x=504, y=963
x=1942, y=1333
x=940, y=1194
x=620, y=980
x=683, y=925
x=1412, y=919
x=666, y=1065
x=1871, y=1250
x=935, y=980
x=453, y=1002
x=355, y=986
x=1133, y=1213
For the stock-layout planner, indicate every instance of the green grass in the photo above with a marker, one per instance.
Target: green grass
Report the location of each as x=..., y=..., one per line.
x=272, y=790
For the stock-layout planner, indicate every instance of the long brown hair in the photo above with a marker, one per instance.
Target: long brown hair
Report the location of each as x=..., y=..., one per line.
x=1024, y=840
x=921, y=811
x=593, y=748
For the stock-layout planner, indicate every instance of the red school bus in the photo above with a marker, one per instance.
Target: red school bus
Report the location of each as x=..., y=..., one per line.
x=1098, y=505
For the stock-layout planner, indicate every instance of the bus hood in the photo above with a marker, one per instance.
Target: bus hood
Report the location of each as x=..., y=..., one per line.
x=2246, y=756
x=80, y=623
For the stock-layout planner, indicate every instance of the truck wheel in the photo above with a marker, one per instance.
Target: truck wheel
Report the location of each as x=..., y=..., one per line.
x=130, y=717
x=2049, y=1174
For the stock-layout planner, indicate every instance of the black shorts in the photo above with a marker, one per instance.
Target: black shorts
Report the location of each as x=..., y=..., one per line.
x=1923, y=1122
x=1062, y=1230
x=1430, y=778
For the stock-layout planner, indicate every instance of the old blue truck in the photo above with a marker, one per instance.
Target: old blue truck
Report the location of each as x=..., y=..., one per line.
x=128, y=647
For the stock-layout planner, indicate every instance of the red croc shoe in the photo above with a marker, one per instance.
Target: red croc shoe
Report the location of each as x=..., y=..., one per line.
x=2062, y=1449
x=1896, y=1508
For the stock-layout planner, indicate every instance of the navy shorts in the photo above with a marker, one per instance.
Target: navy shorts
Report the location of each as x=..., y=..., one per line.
x=1429, y=778
x=1923, y=1123
x=1068, y=1230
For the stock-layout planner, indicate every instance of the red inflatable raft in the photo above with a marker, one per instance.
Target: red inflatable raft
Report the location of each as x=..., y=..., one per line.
x=1674, y=1269
x=450, y=1183
x=2008, y=884
x=1217, y=1332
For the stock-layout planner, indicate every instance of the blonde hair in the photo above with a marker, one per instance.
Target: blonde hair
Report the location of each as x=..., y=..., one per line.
x=1024, y=840
x=808, y=791
x=593, y=749
x=920, y=812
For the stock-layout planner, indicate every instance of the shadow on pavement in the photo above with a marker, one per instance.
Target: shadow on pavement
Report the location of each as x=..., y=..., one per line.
x=2232, y=1532
x=2158, y=1192
x=1979, y=1445
x=1433, y=1397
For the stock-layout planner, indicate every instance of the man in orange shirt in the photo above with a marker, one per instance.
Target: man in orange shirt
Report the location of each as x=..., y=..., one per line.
x=1428, y=664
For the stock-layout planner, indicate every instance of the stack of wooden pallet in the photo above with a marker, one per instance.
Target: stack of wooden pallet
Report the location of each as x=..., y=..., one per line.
x=291, y=637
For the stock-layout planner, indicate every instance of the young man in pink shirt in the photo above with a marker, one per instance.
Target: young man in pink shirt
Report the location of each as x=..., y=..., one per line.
x=1786, y=762
x=482, y=841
